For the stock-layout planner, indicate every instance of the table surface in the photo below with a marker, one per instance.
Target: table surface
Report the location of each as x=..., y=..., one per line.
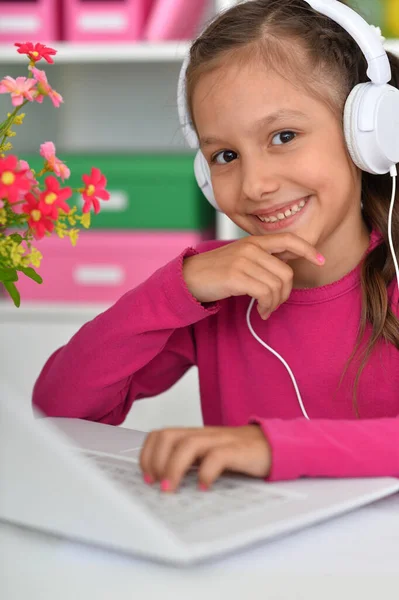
x=355, y=555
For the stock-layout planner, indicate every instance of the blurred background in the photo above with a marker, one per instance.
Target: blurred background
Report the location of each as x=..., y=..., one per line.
x=117, y=67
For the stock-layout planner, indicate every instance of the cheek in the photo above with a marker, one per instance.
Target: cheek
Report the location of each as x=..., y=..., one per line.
x=226, y=188
x=325, y=166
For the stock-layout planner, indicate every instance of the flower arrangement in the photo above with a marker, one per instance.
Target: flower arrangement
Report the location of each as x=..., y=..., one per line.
x=34, y=204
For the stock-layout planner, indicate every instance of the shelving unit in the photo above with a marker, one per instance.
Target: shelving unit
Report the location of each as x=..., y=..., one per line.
x=70, y=53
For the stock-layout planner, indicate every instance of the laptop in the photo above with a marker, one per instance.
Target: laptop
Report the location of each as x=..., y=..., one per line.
x=81, y=480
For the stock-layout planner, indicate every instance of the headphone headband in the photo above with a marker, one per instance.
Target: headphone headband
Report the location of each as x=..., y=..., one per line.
x=379, y=70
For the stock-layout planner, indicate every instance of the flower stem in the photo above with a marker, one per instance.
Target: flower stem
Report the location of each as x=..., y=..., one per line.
x=5, y=126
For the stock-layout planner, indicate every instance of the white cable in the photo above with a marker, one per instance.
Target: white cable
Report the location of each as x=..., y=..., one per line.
x=393, y=173
x=305, y=414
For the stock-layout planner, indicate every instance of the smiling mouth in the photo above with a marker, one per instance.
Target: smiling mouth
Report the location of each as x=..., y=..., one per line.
x=282, y=215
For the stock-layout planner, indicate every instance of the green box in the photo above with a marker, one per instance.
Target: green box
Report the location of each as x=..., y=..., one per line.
x=148, y=191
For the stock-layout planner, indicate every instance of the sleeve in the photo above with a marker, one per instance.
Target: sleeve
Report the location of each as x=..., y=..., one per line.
x=332, y=448
x=137, y=348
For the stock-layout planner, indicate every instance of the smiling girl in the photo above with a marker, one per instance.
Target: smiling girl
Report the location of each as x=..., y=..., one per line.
x=266, y=84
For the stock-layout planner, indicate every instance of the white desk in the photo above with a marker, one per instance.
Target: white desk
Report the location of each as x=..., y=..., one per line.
x=353, y=557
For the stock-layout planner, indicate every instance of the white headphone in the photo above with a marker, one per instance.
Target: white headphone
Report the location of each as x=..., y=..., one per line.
x=371, y=115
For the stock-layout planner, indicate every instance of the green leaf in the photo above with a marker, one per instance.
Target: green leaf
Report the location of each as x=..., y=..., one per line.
x=8, y=275
x=31, y=273
x=14, y=293
x=16, y=237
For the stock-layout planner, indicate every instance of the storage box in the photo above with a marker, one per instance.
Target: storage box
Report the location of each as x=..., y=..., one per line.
x=102, y=20
x=34, y=20
x=175, y=19
x=148, y=191
x=102, y=266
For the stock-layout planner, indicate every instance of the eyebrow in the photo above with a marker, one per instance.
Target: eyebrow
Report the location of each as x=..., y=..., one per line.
x=278, y=115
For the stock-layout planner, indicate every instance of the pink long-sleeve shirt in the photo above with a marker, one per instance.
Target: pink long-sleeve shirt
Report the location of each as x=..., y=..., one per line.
x=149, y=338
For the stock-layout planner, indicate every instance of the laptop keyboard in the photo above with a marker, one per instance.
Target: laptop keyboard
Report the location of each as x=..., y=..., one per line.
x=187, y=506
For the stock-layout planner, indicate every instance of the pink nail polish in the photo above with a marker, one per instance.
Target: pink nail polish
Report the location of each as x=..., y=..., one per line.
x=165, y=485
x=148, y=479
x=203, y=487
x=321, y=259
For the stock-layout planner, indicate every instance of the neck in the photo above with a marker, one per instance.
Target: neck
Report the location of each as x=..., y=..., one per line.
x=343, y=250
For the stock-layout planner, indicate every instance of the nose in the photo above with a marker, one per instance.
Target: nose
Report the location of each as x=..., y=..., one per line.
x=259, y=178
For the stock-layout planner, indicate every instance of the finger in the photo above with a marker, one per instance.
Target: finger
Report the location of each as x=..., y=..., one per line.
x=273, y=285
x=145, y=456
x=184, y=455
x=156, y=451
x=216, y=462
x=289, y=245
x=284, y=273
x=165, y=447
x=283, y=276
x=227, y=458
x=257, y=289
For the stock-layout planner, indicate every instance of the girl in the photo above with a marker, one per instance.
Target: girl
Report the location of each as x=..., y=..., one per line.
x=266, y=86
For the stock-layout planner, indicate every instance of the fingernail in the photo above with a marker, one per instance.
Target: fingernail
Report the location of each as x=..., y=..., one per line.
x=203, y=487
x=148, y=479
x=165, y=485
x=321, y=259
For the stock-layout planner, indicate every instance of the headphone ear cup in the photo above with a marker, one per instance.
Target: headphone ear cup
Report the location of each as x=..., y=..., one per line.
x=371, y=127
x=203, y=177
x=350, y=127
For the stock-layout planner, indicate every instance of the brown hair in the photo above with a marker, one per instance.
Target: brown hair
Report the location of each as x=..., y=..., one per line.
x=265, y=30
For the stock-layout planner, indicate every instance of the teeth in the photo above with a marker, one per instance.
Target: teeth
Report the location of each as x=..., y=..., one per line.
x=288, y=213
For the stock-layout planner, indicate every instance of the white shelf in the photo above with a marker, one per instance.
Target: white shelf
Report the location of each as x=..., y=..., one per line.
x=49, y=311
x=68, y=53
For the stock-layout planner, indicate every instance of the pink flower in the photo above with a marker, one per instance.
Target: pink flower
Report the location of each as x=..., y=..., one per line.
x=54, y=197
x=38, y=221
x=44, y=88
x=13, y=181
x=95, y=188
x=19, y=88
x=47, y=150
x=22, y=165
x=36, y=52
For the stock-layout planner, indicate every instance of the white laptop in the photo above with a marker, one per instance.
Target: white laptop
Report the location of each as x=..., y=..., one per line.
x=81, y=480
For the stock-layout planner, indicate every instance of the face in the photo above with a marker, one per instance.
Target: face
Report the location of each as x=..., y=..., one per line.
x=277, y=155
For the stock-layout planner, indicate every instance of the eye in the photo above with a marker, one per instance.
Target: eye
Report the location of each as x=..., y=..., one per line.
x=226, y=155
x=284, y=137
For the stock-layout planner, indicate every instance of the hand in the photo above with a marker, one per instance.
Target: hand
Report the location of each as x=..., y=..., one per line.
x=248, y=266
x=168, y=454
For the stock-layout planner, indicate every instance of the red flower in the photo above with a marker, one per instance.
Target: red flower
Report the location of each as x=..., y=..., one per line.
x=95, y=184
x=38, y=221
x=53, y=198
x=13, y=181
x=36, y=52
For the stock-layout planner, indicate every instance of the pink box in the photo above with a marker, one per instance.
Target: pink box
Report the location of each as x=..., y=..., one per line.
x=103, y=265
x=34, y=21
x=174, y=19
x=105, y=20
